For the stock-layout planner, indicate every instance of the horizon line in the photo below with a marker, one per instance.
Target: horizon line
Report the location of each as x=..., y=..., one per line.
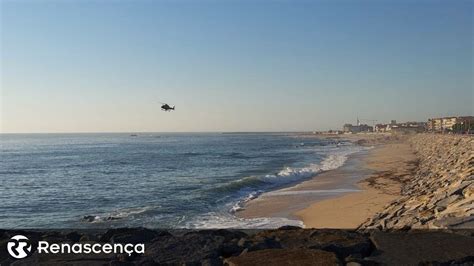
x=165, y=132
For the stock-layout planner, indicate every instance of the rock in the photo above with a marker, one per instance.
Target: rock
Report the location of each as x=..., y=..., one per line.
x=440, y=190
x=125, y=257
x=458, y=189
x=353, y=263
x=211, y=262
x=146, y=262
x=413, y=247
x=54, y=237
x=88, y=238
x=121, y=263
x=73, y=236
x=230, y=248
x=466, y=261
x=227, y=234
x=343, y=243
x=289, y=227
x=468, y=192
x=259, y=243
x=131, y=235
x=300, y=257
x=455, y=222
x=269, y=247
x=194, y=247
x=447, y=201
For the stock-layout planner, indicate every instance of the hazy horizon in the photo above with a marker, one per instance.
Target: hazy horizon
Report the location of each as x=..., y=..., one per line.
x=233, y=66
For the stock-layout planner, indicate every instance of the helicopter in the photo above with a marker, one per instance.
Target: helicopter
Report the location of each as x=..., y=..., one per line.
x=165, y=107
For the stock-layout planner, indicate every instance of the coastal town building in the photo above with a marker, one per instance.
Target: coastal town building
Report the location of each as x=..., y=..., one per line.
x=410, y=127
x=380, y=128
x=449, y=124
x=434, y=124
x=349, y=128
x=407, y=127
x=385, y=127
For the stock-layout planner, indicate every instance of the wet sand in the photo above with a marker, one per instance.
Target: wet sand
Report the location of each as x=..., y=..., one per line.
x=341, y=198
x=285, y=202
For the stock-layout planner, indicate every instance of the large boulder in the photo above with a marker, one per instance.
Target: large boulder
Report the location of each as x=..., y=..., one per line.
x=341, y=242
x=299, y=257
x=195, y=247
x=413, y=247
x=132, y=235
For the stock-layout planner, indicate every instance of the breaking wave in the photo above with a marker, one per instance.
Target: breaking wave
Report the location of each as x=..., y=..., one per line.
x=289, y=175
x=251, y=187
x=216, y=221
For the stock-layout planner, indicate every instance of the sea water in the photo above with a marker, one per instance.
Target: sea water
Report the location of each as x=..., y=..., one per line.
x=155, y=180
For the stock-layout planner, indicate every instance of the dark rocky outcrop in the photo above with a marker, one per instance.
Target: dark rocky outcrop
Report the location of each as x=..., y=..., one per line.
x=132, y=235
x=285, y=246
x=301, y=256
x=196, y=246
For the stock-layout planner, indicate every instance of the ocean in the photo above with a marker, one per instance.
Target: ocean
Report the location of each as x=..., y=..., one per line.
x=155, y=180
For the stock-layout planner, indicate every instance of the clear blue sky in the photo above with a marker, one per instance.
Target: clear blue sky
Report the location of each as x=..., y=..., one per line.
x=82, y=66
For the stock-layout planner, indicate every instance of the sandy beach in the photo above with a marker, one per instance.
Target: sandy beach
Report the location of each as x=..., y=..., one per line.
x=416, y=181
x=388, y=163
x=347, y=196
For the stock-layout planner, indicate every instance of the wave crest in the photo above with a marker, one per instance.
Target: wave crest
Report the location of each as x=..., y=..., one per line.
x=287, y=176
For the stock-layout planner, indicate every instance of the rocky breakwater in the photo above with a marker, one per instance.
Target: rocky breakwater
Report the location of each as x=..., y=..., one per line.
x=440, y=193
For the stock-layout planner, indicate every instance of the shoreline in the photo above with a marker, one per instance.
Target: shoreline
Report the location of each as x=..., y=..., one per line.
x=344, y=197
x=386, y=162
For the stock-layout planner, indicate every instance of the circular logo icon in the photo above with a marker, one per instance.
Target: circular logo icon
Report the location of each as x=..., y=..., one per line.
x=19, y=247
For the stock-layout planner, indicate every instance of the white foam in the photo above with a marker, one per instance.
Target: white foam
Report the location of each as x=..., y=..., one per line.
x=239, y=205
x=335, y=159
x=219, y=221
